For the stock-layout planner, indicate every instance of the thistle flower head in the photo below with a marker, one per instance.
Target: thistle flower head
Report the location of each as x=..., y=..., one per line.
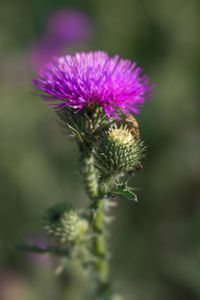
x=63, y=223
x=94, y=79
x=63, y=28
x=70, y=26
x=119, y=150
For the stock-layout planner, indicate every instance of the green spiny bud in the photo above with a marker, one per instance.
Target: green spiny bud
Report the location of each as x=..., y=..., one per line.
x=64, y=224
x=85, y=125
x=119, y=150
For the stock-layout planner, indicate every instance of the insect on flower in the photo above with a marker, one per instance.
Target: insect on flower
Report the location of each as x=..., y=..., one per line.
x=132, y=125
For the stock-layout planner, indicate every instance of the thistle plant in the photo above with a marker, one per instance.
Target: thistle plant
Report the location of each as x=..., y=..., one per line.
x=95, y=96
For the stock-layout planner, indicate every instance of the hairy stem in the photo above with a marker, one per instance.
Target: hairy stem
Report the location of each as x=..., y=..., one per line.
x=89, y=174
x=99, y=249
x=99, y=243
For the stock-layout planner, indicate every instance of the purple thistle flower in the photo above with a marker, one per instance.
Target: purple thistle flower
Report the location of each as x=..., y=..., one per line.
x=64, y=28
x=92, y=78
x=69, y=26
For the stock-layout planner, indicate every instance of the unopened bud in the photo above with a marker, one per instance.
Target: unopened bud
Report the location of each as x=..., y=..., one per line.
x=64, y=224
x=119, y=150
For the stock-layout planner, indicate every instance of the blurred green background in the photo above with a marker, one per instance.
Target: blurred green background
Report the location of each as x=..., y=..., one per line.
x=156, y=242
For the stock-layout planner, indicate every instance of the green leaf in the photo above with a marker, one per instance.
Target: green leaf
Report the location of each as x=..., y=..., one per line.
x=123, y=191
x=36, y=249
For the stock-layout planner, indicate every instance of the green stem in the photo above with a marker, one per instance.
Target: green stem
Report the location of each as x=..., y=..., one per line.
x=99, y=249
x=90, y=175
x=99, y=243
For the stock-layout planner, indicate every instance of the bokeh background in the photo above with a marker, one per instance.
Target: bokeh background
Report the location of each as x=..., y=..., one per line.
x=156, y=242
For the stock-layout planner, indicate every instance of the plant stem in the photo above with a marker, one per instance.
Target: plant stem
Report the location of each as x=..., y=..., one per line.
x=99, y=249
x=89, y=173
x=99, y=243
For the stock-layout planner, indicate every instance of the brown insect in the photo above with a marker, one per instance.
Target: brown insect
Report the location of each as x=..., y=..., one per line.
x=132, y=125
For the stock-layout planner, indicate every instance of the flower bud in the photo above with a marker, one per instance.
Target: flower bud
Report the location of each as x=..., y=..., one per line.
x=64, y=224
x=119, y=150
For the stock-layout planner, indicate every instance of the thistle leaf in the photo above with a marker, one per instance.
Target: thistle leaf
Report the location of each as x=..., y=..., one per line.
x=35, y=249
x=122, y=191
